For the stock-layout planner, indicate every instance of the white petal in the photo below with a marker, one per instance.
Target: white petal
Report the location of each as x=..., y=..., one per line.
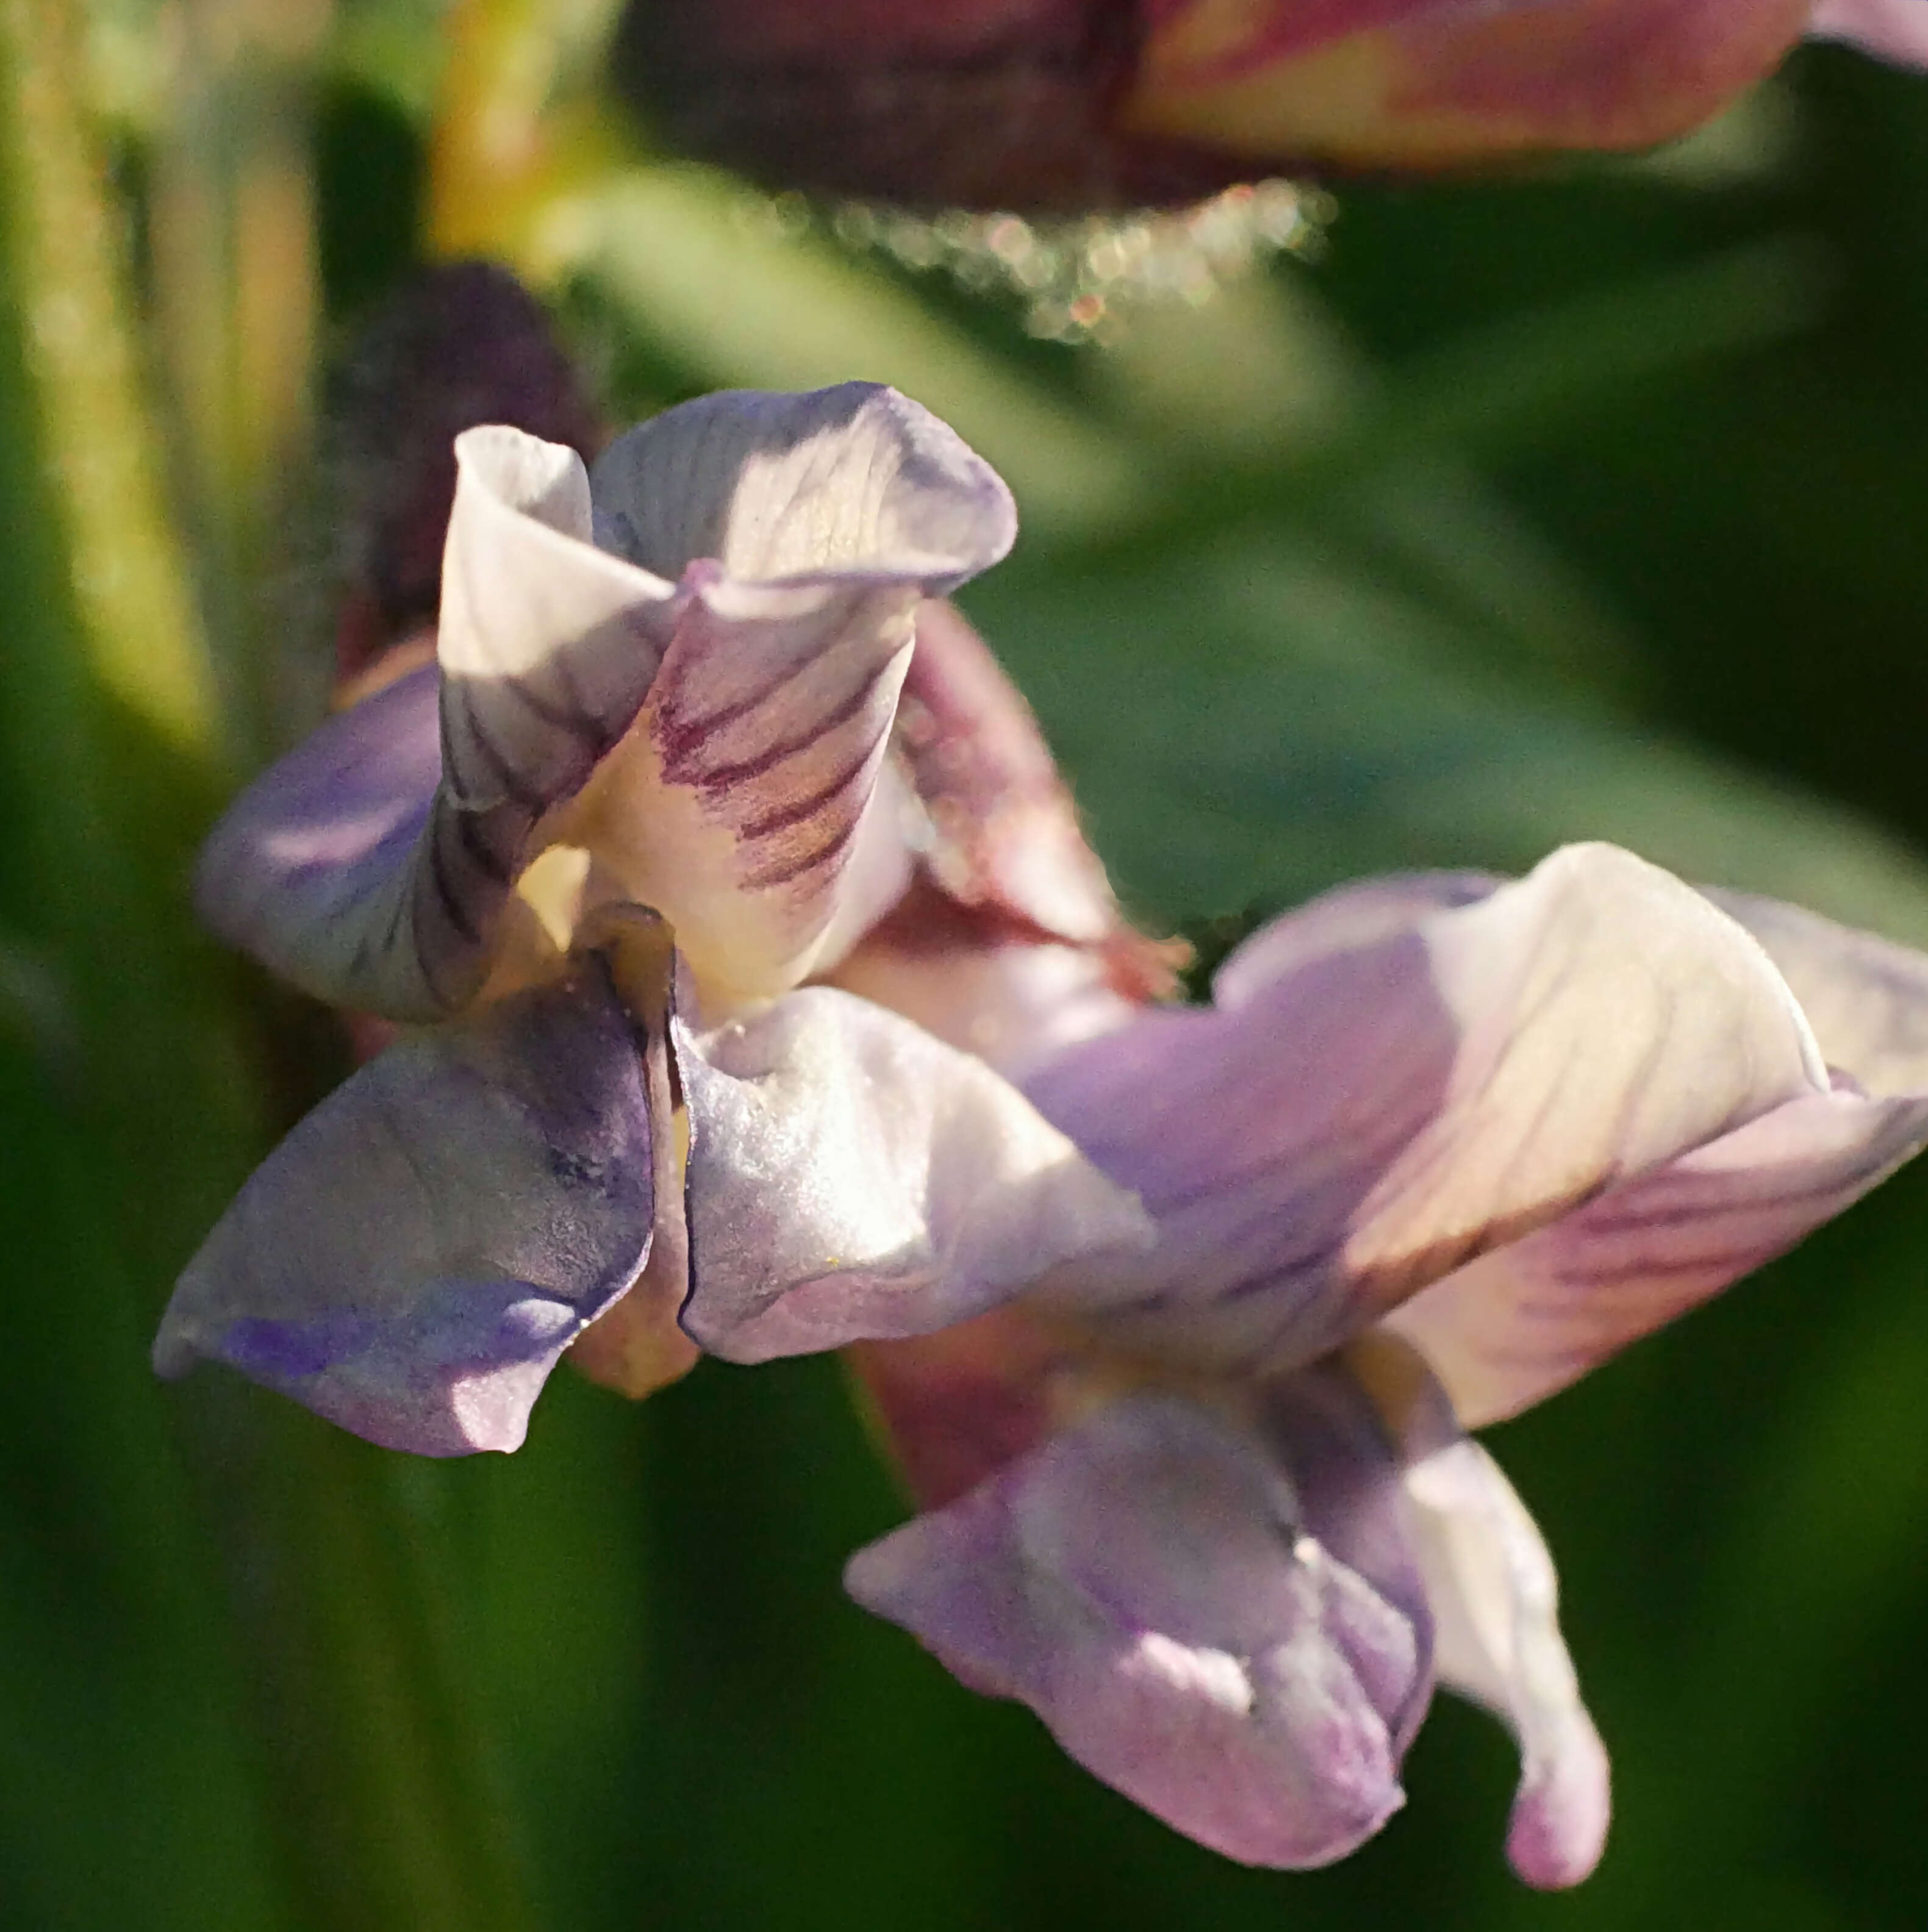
x=849, y=1176
x=1495, y=1604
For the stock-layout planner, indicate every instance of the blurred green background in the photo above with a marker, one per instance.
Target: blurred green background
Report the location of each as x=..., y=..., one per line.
x=1594, y=505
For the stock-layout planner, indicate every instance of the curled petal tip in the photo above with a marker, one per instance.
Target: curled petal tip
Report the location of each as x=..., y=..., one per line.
x=1558, y=1828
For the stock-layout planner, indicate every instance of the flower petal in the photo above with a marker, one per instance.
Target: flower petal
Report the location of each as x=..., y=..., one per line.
x=1892, y=30
x=413, y=1258
x=1495, y=1601
x=850, y=1177
x=1389, y=83
x=1865, y=997
x=1520, y=1323
x=733, y=806
x=1357, y=1122
x=1516, y=1326
x=1004, y=832
x=347, y=867
x=1154, y=1584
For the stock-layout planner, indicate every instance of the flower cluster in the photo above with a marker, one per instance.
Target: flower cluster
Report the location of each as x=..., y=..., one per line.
x=757, y=993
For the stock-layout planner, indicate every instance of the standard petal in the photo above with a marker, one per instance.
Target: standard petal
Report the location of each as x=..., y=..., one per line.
x=1153, y=1584
x=1361, y=1119
x=413, y=1258
x=850, y=1177
x=1495, y=1604
x=734, y=804
x=373, y=867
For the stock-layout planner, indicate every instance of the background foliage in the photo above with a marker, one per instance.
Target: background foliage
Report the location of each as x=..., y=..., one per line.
x=1530, y=509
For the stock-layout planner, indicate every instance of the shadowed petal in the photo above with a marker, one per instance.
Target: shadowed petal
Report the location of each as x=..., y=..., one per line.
x=1151, y=1583
x=1362, y=1118
x=1495, y=1601
x=734, y=805
x=413, y=1258
x=850, y=1177
x=373, y=865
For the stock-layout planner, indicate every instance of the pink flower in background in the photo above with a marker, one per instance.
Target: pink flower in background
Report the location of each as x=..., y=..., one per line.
x=1074, y=103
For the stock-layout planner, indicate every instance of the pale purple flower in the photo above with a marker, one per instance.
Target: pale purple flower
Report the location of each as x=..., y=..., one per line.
x=590, y=853
x=1177, y=1317
x=1441, y=1144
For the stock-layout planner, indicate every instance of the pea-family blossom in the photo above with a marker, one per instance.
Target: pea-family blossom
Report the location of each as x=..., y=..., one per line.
x=586, y=856
x=757, y=990
x=1440, y=1144
x=1076, y=103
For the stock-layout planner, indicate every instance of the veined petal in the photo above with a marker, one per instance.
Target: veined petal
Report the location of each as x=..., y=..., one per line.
x=373, y=866
x=1154, y=1584
x=414, y=1257
x=1495, y=1604
x=1515, y=1326
x=849, y=1177
x=1361, y=1119
x=775, y=549
x=734, y=803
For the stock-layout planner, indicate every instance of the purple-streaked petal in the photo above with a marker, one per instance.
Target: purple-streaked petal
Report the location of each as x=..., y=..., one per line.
x=1399, y=1089
x=414, y=1257
x=373, y=865
x=1516, y=1325
x=1495, y=1604
x=850, y=1177
x=774, y=549
x=1152, y=1582
x=1892, y=30
x=734, y=805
